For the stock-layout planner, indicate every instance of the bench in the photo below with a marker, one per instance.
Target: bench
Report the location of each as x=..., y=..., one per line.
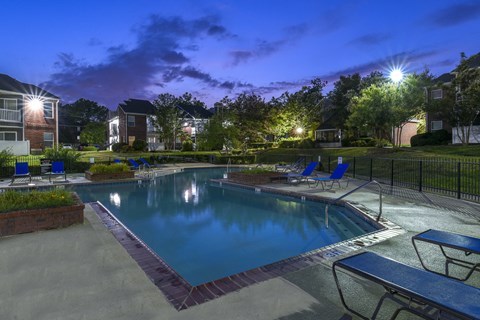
x=425, y=294
x=468, y=245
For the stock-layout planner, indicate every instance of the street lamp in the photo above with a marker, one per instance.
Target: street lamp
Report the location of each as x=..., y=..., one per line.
x=396, y=75
x=299, y=130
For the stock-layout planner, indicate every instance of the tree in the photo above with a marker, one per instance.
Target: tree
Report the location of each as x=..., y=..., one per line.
x=79, y=114
x=167, y=119
x=217, y=134
x=343, y=91
x=249, y=115
x=94, y=132
x=372, y=110
x=409, y=100
x=467, y=97
x=460, y=104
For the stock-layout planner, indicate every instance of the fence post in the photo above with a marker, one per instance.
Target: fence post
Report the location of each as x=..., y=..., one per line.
x=459, y=182
x=420, y=177
x=391, y=175
x=371, y=169
x=329, y=164
x=354, y=166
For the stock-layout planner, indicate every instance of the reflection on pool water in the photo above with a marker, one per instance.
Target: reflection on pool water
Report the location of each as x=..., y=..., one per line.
x=206, y=232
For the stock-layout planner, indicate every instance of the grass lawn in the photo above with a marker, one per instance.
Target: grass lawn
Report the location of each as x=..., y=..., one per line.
x=428, y=152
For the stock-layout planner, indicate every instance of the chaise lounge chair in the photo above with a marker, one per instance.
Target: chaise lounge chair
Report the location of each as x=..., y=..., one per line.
x=21, y=171
x=134, y=164
x=414, y=290
x=336, y=176
x=58, y=169
x=304, y=175
x=469, y=246
x=117, y=161
x=146, y=164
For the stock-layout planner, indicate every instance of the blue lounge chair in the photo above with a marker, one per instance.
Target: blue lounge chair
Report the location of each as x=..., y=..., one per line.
x=117, y=161
x=454, y=242
x=299, y=177
x=21, y=171
x=290, y=167
x=146, y=164
x=58, y=169
x=134, y=164
x=336, y=176
x=424, y=291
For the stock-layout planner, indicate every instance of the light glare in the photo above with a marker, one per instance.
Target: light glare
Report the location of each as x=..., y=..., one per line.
x=35, y=104
x=396, y=75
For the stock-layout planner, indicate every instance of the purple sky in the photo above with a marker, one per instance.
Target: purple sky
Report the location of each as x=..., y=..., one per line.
x=111, y=50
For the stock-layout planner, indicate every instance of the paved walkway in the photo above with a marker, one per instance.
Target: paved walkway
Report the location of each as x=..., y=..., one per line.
x=82, y=272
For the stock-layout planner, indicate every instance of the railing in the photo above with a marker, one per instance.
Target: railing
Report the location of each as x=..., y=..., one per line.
x=10, y=115
x=380, y=205
x=448, y=177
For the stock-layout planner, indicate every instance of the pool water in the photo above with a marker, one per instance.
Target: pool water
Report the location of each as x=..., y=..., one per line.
x=206, y=232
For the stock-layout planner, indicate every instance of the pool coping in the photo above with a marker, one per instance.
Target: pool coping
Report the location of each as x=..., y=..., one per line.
x=182, y=295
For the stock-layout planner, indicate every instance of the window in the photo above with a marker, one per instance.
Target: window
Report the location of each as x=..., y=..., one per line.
x=8, y=136
x=48, y=139
x=8, y=104
x=436, y=125
x=48, y=110
x=114, y=129
x=437, y=94
x=131, y=121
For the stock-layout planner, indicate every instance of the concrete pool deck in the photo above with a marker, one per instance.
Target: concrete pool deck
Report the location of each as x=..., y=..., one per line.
x=82, y=272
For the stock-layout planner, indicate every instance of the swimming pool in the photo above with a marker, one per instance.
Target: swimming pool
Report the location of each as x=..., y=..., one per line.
x=206, y=232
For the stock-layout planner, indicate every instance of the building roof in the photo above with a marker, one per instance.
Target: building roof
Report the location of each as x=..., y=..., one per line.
x=10, y=84
x=195, y=111
x=137, y=106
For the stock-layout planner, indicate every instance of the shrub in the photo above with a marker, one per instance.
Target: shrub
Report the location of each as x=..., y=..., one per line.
x=296, y=143
x=90, y=148
x=12, y=200
x=126, y=148
x=380, y=143
x=139, y=145
x=439, y=137
x=109, y=168
x=187, y=145
x=117, y=147
x=67, y=155
x=6, y=156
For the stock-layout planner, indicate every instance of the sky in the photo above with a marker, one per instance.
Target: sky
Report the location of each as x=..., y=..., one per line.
x=112, y=50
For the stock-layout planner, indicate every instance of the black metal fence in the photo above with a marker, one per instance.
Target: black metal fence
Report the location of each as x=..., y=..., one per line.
x=449, y=177
x=38, y=165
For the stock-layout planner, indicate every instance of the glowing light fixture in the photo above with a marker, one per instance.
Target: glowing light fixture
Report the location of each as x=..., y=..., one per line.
x=396, y=75
x=299, y=130
x=35, y=104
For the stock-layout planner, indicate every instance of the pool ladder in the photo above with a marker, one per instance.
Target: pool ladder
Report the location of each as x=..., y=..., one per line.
x=380, y=206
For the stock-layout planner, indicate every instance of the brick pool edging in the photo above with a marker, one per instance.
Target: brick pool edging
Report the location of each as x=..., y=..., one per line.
x=182, y=295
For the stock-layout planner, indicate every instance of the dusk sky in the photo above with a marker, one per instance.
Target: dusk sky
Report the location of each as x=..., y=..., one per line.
x=112, y=50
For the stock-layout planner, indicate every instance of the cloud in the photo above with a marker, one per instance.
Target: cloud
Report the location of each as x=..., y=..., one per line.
x=263, y=48
x=161, y=48
x=370, y=39
x=455, y=14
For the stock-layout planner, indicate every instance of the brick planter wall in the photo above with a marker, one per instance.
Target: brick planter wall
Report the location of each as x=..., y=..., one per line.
x=109, y=175
x=31, y=220
x=255, y=179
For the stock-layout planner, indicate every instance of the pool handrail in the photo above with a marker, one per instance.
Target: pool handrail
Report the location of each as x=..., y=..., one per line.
x=352, y=191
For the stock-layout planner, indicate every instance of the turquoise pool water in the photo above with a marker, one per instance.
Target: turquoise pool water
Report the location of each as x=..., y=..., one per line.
x=206, y=232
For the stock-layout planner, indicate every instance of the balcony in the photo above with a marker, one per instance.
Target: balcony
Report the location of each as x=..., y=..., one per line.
x=10, y=115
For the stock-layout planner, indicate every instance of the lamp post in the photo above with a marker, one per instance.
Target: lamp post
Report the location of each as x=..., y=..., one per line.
x=396, y=75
